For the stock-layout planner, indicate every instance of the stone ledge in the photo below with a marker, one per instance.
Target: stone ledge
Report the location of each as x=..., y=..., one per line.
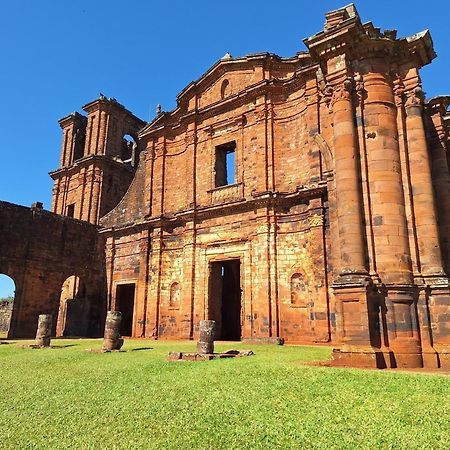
x=263, y=340
x=193, y=356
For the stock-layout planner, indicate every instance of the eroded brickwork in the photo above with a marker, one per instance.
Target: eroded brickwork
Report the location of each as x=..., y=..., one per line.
x=305, y=198
x=330, y=221
x=39, y=250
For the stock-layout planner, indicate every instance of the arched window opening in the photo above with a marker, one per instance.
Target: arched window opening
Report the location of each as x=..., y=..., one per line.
x=7, y=296
x=79, y=139
x=128, y=152
x=225, y=89
x=299, y=290
x=73, y=308
x=174, y=300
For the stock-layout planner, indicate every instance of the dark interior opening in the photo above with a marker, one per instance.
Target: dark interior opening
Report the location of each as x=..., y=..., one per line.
x=125, y=304
x=225, y=299
x=225, y=164
x=70, y=211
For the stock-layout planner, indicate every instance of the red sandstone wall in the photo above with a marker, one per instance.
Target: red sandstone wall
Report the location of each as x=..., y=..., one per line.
x=39, y=250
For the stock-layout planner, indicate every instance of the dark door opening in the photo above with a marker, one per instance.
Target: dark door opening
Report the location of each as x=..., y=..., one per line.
x=125, y=304
x=225, y=299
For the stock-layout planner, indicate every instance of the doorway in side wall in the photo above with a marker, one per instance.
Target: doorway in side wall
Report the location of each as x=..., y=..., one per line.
x=224, y=300
x=125, y=304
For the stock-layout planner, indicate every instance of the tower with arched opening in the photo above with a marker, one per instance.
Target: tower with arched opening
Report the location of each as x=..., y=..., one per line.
x=98, y=160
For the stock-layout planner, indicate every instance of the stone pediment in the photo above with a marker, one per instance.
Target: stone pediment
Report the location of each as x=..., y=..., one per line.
x=230, y=76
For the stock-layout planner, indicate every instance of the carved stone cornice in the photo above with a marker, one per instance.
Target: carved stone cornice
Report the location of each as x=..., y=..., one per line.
x=87, y=161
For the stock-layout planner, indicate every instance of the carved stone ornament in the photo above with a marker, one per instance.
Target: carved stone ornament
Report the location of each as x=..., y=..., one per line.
x=414, y=97
x=261, y=114
x=399, y=90
x=342, y=92
x=359, y=87
x=315, y=220
x=190, y=138
x=325, y=93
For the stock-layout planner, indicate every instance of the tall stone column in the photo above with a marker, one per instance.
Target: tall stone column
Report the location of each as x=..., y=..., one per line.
x=398, y=304
x=436, y=139
x=435, y=294
x=393, y=258
x=352, y=285
x=422, y=187
x=348, y=189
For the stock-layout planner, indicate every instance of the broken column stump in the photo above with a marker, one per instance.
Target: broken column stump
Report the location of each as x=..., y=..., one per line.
x=205, y=346
x=207, y=332
x=112, y=339
x=44, y=330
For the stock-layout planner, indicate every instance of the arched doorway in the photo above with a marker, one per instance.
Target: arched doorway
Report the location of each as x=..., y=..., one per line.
x=7, y=296
x=74, y=306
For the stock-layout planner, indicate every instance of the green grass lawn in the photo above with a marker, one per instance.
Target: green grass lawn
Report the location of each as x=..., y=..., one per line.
x=67, y=398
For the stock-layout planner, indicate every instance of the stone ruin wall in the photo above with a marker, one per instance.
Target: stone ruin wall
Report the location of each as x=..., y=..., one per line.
x=6, y=308
x=339, y=212
x=39, y=250
x=280, y=241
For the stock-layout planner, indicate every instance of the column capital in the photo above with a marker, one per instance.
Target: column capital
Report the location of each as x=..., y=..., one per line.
x=414, y=98
x=342, y=91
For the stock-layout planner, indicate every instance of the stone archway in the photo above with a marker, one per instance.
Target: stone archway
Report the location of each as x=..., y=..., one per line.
x=74, y=308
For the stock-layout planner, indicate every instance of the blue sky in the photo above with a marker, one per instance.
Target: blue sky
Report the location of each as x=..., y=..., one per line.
x=59, y=55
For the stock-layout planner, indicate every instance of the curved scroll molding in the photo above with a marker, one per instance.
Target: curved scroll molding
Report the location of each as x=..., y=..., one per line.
x=325, y=151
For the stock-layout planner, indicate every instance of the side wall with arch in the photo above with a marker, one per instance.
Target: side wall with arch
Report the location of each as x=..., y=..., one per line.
x=39, y=250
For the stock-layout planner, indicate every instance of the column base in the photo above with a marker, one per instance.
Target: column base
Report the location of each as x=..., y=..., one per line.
x=369, y=357
x=443, y=356
x=366, y=357
x=406, y=360
x=430, y=359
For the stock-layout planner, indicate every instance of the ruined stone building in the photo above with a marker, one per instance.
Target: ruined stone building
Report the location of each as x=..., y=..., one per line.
x=304, y=197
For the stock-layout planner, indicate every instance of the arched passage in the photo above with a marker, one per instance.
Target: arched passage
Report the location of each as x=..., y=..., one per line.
x=74, y=307
x=7, y=296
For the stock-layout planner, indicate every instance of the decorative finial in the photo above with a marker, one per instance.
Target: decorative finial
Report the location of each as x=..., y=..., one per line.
x=226, y=56
x=158, y=109
x=102, y=97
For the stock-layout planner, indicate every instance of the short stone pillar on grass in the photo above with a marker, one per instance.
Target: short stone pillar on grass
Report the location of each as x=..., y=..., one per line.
x=44, y=330
x=112, y=339
x=207, y=332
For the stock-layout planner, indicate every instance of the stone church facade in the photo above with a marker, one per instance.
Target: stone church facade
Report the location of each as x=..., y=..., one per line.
x=305, y=198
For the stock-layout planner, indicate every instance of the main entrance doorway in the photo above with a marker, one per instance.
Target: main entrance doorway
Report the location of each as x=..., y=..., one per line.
x=225, y=299
x=125, y=304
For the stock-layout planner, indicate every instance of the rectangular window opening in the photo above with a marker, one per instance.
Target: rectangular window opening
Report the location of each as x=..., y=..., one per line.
x=225, y=166
x=70, y=210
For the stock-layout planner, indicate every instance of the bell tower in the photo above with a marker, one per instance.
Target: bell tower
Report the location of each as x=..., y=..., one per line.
x=98, y=160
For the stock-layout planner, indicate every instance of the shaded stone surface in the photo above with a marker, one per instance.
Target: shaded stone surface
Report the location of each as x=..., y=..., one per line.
x=207, y=331
x=263, y=340
x=44, y=330
x=192, y=356
x=112, y=339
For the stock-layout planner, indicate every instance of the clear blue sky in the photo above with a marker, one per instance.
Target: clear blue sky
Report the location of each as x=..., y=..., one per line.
x=58, y=55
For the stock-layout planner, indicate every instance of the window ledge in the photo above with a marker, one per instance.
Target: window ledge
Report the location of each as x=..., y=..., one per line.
x=225, y=186
x=227, y=193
